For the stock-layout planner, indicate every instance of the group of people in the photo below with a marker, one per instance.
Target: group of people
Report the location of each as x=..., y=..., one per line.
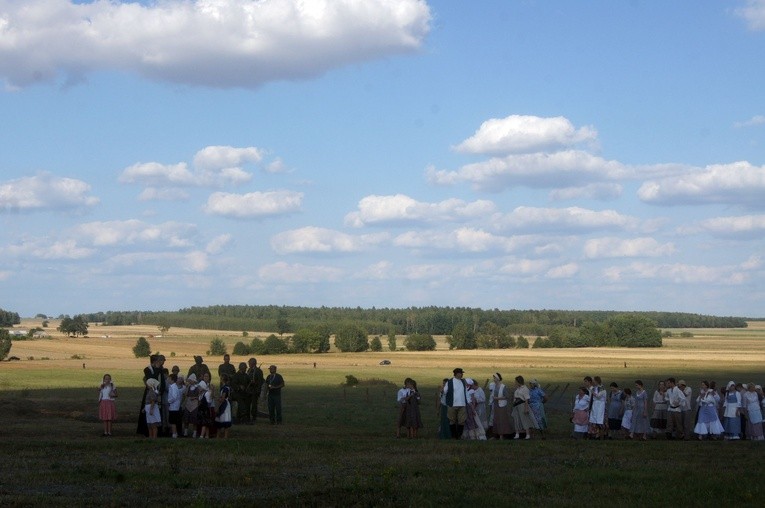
x=734, y=412
x=177, y=405
x=465, y=411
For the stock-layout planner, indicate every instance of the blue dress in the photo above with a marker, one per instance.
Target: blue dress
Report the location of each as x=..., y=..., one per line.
x=536, y=404
x=640, y=423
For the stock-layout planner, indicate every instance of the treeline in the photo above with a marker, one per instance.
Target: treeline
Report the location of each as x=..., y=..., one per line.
x=8, y=318
x=406, y=321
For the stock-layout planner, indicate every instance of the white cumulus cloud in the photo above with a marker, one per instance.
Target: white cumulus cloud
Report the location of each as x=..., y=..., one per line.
x=751, y=227
x=222, y=157
x=317, y=240
x=737, y=183
x=601, y=191
x=45, y=192
x=254, y=204
x=523, y=134
x=752, y=122
x=564, y=219
x=611, y=247
x=563, y=271
x=218, y=43
x=129, y=232
x=753, y=13
x=403, y=209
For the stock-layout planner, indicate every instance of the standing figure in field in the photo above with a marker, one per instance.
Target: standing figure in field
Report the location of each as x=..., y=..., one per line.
x=751, y=405
x=226, y=368
x=499, y=416
x=675, y=398
x=152, y=409
x=199, y=369
x=473, y=426
x=444, y=431
x=223, y=413
x=241, y=394
x=660, y=405
x=580, y=415
x=174, y=401
x=732, y=412
x=204, y=418
x=628, y=408
x=640, y=422
x=107, y=410
x=153, y=371
x=191, y=406
x=455, y=391
x=615, y=409
x=523, y=418
x=211, y=396
x=708, y=423
x=275, y=383
x=537, y=399
x=688, y=418
x=254, y=388
x=598, y=399
x=410, y=408
x=401, y=399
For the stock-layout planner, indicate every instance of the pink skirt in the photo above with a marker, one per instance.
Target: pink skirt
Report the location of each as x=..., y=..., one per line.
x=107, y=410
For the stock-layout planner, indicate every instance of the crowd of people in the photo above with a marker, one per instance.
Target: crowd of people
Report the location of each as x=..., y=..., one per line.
x=177, y=405
x=733, y=412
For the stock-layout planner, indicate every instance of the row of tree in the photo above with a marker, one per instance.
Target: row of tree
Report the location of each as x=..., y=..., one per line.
x=8, y=318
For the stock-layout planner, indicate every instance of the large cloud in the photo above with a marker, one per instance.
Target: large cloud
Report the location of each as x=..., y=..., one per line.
x=738, y=183
x=313, y=239
x=564, y=219
x=220, y=43
x=743, y=227
x=523, y=134
x=402, y=209
x=132, y=231
x=45, y=192
x=611, y=247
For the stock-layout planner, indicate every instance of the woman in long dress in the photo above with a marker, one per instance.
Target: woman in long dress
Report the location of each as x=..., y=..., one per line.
x=707, y=423
x=640, y=424
x=537, y=399
x=751, y=404
x=523, y=418
x=660, y=405
x=444, y=432
x=410, y=414
x=598, y=398
x=732, y=412
x=628, y=408
x=473, y=425
x=580, y=416
x=499, y=417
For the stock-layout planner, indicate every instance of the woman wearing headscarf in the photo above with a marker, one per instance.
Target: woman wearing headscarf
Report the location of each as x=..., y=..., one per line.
x=640, y=424
x=523, y=418
x=499, y=417
x=537, y=398
x=580, y=415
x=598, y=397
x=707, y=423
x=732, y=412
x=751, y=404
x=473, y=425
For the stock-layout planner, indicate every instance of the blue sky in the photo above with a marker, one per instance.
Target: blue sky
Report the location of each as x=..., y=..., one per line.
x=389, y=153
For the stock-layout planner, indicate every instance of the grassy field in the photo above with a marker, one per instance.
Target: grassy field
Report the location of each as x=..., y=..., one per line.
x=337, y=448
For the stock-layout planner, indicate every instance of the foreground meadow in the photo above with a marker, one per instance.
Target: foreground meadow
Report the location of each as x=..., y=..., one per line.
x=337, y=446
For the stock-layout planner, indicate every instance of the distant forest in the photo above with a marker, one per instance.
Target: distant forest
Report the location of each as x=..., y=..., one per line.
x=412, y=320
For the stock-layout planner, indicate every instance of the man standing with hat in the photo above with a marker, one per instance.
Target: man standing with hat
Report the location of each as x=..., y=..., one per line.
x=455, y=391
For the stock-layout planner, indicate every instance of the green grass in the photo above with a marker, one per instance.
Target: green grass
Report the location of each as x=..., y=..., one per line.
x=337, y=448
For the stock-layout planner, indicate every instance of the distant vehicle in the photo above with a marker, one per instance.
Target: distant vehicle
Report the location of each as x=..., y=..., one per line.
x=385, y=362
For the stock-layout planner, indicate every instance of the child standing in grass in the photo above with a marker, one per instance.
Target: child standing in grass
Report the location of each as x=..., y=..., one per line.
x=107, y=410
x=152, y=408
x=223, y=418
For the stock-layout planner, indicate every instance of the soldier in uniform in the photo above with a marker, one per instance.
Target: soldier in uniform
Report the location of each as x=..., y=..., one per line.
x=226, y=368
x=254, y=387
x=240, y=384
x=199, y=369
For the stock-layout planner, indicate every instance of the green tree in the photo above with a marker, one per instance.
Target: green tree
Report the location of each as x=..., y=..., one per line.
x=217, y=347
x=5, y=343
x=462, y=337
x=241, y=349
x=256, y=346
x=8, y=318
x=351, y=338
x=273, y=345
x=282, y=324
x=420, y=342
x=375, y=344
x=522, y=342
x=392, y=341
x=78, y=325
x=633, y=330
x=142, y=349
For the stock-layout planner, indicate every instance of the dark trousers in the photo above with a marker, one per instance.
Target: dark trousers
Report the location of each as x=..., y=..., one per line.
x=275, y=407
x=243, y=403
x=175, y=422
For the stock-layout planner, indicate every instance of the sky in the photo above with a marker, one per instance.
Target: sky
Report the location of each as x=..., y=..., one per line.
x=509, y=154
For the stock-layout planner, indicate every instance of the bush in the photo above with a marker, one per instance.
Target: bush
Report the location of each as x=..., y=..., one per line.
x=392, y=341
x=273, y=345
x=420, y=342
x=241, y=349
x=351, y=380
x=217, y=347
x=522, y=343
x=375, y=344
x=142, y=349
x=352, y=338
x=256, y=346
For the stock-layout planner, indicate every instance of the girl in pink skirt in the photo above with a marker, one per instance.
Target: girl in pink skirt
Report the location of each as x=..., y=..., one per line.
x=107, y=411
